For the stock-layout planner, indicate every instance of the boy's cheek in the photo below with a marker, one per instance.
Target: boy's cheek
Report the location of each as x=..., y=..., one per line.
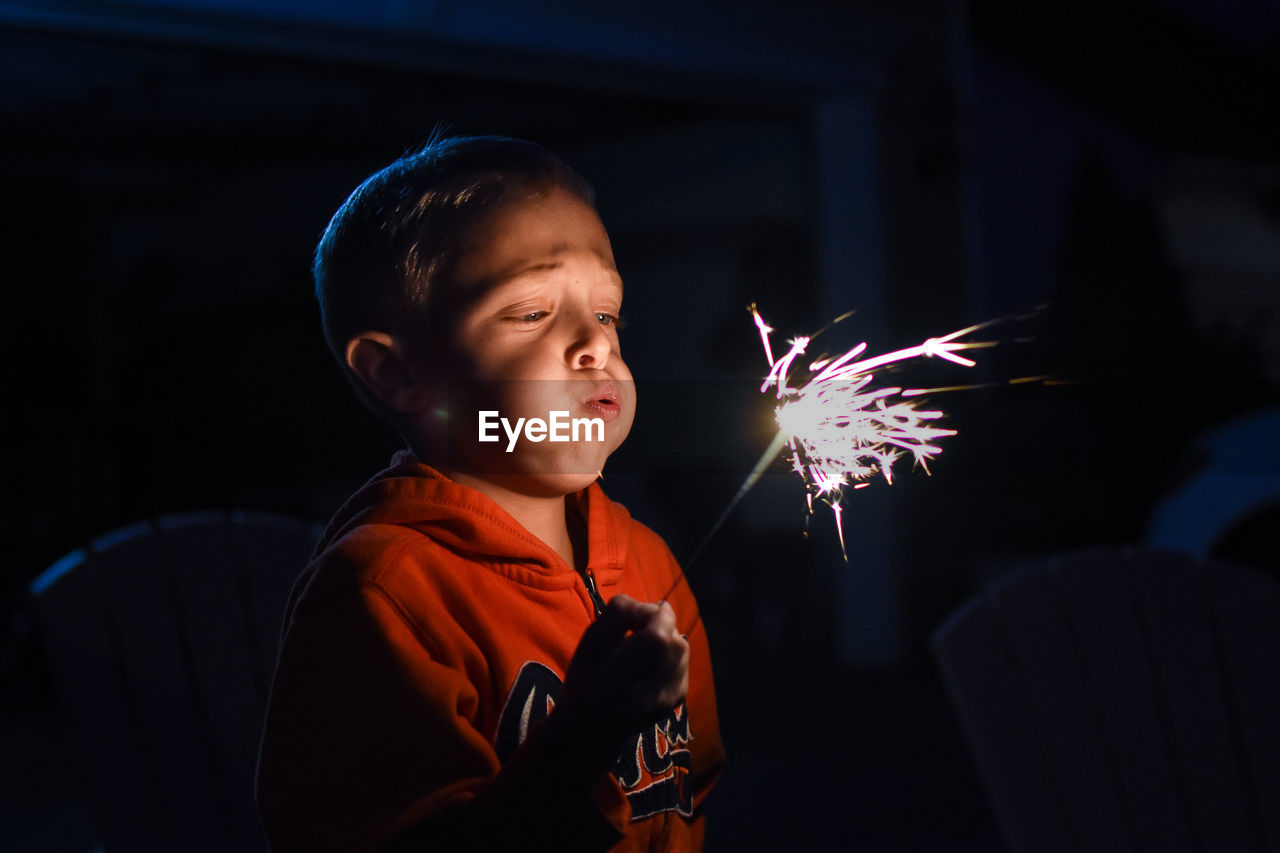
x=621, y=428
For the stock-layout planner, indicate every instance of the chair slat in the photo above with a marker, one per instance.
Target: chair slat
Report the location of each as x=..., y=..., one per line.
x=275, y=561
x=1174, y=609
x=1043, y=632
x=209, y=580
x=86, y=664
x=1247, y=619
x=1097, y=591
x=991, y=696
x=140, y=591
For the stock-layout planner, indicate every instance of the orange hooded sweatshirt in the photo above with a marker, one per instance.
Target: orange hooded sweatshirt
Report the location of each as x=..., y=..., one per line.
x=421, y=648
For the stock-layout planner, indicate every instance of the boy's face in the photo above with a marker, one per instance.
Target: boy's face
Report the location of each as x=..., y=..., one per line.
x=538, y=334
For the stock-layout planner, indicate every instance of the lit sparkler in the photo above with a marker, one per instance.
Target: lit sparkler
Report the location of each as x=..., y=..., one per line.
x=840, y=429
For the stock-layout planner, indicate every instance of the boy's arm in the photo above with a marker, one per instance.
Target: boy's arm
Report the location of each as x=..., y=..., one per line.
x=368, y=737
x=629, y=670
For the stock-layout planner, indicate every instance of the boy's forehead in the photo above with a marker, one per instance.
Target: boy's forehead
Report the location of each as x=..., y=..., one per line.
x=531, y=236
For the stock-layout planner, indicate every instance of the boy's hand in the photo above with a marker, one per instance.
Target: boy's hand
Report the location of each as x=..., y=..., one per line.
x=630, y=669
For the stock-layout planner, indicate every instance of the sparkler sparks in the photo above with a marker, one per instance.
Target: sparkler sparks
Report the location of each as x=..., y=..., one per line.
x=840, y=429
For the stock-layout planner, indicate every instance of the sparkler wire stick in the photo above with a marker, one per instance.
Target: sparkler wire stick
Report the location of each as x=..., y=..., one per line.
x=770, y=453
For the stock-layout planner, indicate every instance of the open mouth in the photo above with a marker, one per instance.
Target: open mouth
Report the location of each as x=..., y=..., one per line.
x=603, y=402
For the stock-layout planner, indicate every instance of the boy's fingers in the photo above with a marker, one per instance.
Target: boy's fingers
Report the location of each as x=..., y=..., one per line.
x=634, y=613
x=644, y=614
x=602, y=638
x=656, y=671
x=625, y=614
x=636, y=643
x=652, y=657
x=622, y=614
x=664, y=620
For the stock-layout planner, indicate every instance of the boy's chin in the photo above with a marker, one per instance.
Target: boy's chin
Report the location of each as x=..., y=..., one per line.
x=553, y=485
x=541, y=484
x=536, y=475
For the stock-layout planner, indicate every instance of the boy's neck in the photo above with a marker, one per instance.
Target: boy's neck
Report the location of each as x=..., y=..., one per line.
x=544, y=517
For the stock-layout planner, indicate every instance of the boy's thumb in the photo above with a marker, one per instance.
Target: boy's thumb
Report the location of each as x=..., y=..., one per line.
x=622, y=615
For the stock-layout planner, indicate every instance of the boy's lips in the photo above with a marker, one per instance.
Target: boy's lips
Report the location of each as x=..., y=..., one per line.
x=603, y=402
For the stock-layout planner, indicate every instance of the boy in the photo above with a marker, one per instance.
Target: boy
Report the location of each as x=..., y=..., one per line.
x=474, y=658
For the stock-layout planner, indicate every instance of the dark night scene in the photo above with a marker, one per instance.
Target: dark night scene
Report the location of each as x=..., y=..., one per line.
x=951, y=407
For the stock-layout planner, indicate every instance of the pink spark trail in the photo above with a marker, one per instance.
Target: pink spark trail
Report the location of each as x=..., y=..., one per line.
x=840, y=429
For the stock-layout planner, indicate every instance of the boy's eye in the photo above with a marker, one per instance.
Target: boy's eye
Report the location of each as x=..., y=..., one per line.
x=607, y=319
x=533, y=316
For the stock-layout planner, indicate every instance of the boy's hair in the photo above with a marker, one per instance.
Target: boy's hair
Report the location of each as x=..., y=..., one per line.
x=387, y=252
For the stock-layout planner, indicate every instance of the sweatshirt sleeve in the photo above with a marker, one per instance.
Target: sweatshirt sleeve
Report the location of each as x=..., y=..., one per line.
x=368, y=738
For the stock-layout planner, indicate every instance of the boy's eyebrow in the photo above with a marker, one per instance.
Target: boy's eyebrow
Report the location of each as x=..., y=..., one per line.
x=541, y=266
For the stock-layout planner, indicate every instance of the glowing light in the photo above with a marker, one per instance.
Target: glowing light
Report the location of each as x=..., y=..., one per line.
x=842, y=430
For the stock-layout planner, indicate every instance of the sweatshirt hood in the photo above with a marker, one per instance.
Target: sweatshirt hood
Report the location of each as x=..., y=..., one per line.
x=409, y=493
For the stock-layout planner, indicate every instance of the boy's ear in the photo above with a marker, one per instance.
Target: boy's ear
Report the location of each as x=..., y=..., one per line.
x=379, y=361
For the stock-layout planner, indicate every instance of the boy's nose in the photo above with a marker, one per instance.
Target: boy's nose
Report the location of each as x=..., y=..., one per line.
x=591, y=346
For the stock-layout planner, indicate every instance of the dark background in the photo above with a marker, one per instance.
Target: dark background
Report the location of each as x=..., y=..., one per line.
x=167, y=170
